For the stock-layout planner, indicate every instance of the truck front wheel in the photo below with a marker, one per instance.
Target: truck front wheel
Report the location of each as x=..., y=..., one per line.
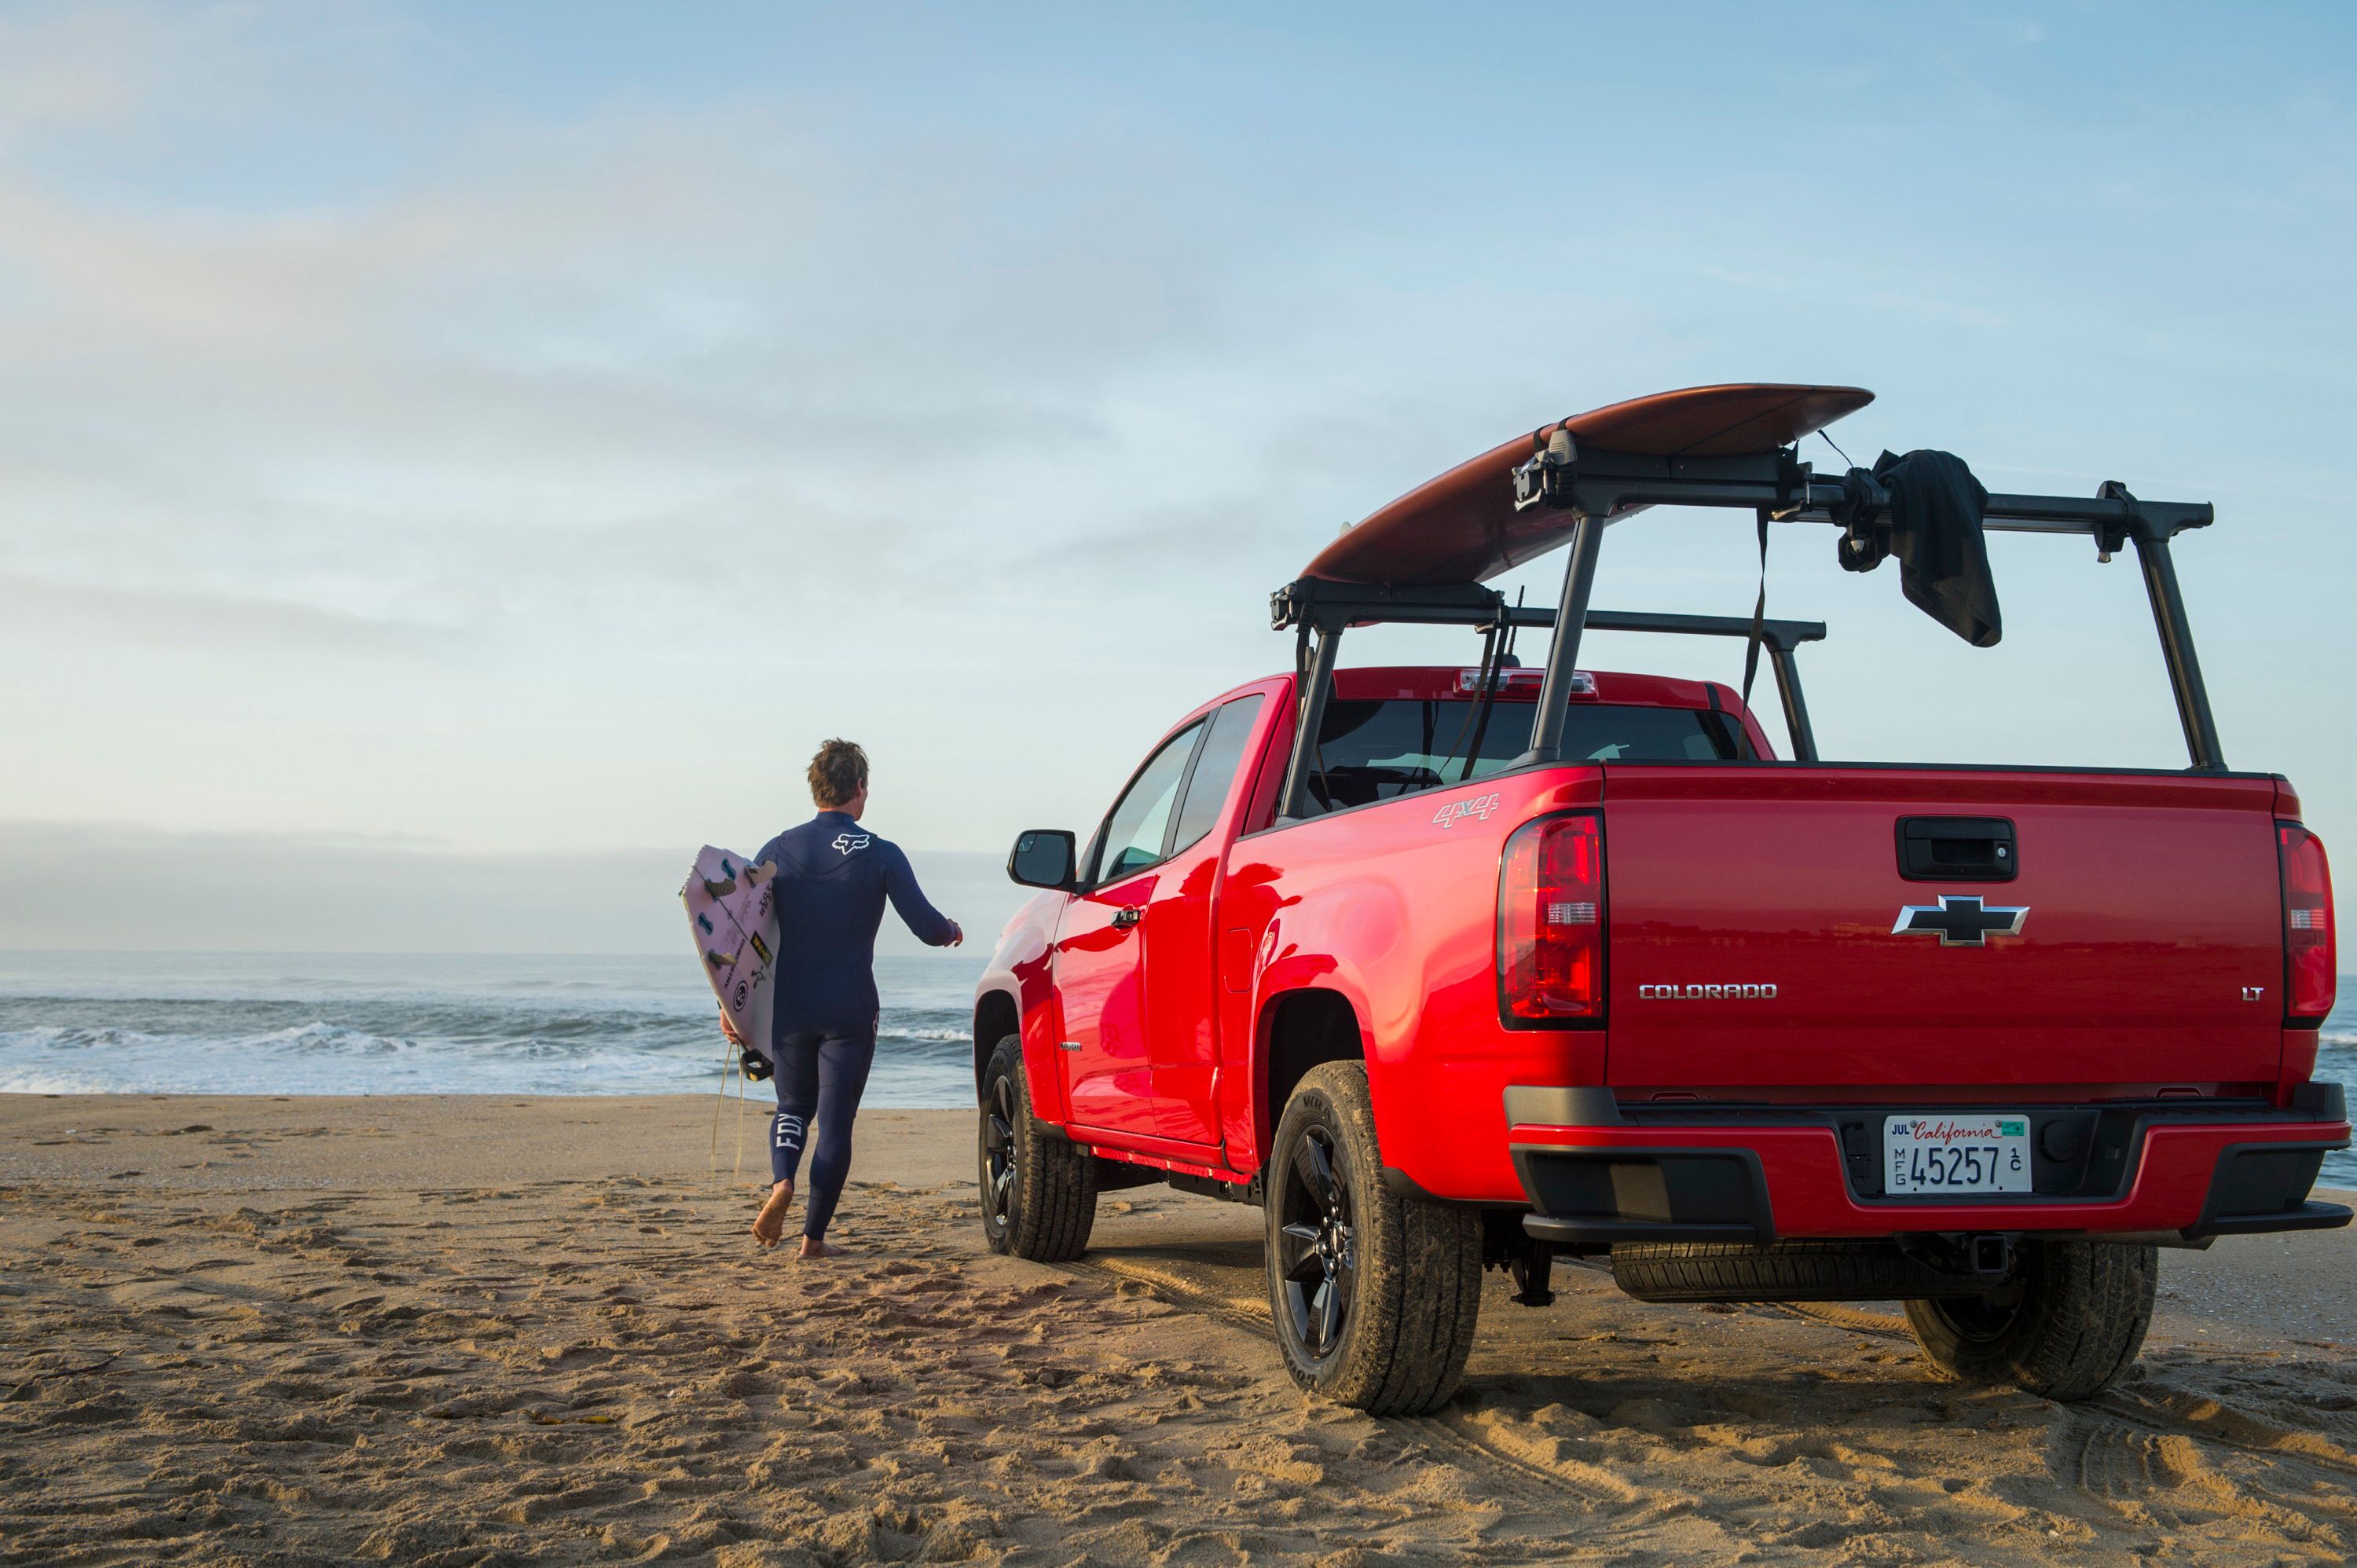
x=1375, y=1296
x=2067, y=1330
x=1038, y=1192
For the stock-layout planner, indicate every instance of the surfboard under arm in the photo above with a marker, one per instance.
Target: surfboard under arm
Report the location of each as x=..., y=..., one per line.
x=732, y=918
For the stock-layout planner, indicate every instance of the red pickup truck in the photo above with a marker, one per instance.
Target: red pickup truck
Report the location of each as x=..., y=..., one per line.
x=1455, y=968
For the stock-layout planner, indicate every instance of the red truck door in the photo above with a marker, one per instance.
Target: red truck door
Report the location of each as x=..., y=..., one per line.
x=1100, y=964
x=1182, y=982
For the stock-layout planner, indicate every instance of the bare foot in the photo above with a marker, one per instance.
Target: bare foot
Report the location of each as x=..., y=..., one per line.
x=771, y=1223
x=820, y=1247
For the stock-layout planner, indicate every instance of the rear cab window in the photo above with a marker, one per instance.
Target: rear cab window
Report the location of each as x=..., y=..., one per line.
x=1377, y=748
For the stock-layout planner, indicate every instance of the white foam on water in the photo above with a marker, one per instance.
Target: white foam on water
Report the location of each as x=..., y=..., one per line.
x=243, y=1024
x=30, y=1082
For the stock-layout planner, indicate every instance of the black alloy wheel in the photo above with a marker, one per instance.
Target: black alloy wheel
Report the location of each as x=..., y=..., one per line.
x=998, y=1153
x=1375, y=1295
x=1317, y=1252
x=1981, y=1322
x=1038, y=1188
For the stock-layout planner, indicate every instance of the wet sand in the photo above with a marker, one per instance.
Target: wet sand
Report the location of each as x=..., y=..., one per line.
x=473, y=1329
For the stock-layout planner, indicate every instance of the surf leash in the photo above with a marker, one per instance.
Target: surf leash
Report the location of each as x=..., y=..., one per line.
x=738, y=1177
x=712, y=1159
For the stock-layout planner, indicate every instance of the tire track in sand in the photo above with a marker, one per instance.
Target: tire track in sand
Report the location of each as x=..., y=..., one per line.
x=2110, y=1449
x=1536, y=1484
x=2212, y=1420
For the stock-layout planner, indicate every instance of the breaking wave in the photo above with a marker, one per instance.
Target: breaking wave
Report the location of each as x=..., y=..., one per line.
x=245, y=1024
x=2336, y=1062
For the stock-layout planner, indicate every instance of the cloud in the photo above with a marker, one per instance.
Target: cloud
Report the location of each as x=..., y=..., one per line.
x=93, y=68
x=626, y=351
x=183, y=619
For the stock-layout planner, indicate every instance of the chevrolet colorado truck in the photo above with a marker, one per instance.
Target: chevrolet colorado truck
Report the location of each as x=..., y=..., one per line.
x=1454, y=968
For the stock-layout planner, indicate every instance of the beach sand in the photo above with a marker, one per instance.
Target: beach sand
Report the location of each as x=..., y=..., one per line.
x=474, y=1329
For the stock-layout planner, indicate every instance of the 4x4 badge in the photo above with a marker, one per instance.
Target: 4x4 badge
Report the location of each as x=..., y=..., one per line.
x=1960, y=921
x=1479, y=806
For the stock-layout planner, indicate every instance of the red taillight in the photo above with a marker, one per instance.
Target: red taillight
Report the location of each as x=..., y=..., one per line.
x=2307, y=922
x=1551, y=923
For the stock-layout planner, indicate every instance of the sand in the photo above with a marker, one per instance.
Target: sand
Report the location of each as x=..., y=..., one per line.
x=472, y=1330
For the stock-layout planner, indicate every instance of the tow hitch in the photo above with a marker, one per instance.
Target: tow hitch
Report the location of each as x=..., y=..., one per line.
x=1533, y=1268
x=1989, y=1258
x=1530, y=1264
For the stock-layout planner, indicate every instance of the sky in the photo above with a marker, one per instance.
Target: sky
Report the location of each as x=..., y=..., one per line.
x=447, y=450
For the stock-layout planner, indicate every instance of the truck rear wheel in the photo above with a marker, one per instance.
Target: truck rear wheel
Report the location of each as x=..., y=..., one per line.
x=1038, y=1192
x=1375, y=1296
x=2072, y=1325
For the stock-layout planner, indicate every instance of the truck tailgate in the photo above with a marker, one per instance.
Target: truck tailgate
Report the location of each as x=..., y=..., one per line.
x=2152, y=907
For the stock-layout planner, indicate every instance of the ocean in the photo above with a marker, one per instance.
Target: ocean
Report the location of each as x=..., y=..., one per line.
x=125, y=1023
x=82, y=1023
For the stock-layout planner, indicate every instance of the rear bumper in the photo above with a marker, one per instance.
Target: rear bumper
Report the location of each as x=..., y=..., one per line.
x=2190, y=1172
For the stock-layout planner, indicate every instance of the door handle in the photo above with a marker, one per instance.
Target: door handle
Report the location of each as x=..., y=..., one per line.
x=1127, y=916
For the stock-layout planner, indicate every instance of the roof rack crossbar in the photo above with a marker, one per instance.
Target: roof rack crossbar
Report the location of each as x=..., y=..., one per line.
x=1611, y=484
x=1316, y=603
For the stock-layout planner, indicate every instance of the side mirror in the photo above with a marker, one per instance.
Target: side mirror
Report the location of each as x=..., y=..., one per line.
x=1042, y=858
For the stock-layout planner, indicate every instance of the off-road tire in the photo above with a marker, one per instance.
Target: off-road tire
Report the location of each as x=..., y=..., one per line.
x=2081, y=1317
x=1414, y=1290
x=1047, y=1204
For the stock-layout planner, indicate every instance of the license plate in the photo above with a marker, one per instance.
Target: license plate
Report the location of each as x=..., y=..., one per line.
x=1955, y=1154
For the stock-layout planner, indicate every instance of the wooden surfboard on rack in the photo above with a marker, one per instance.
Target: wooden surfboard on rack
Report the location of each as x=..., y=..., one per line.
x=1462, y=527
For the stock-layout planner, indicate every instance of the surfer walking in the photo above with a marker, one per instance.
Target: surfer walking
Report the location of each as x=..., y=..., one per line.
x=833, y=880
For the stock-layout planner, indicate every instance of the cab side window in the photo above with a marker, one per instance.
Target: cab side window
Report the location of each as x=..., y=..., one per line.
x=1215, y=770
x=1138, y=824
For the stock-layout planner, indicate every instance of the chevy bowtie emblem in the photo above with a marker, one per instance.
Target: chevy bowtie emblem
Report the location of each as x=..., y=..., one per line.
x=1960, y=921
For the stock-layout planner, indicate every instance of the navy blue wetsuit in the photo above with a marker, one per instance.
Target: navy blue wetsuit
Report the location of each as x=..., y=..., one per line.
x=833, y=877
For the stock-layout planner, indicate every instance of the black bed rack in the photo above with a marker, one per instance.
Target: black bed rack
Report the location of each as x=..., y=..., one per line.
x=1599, y=488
